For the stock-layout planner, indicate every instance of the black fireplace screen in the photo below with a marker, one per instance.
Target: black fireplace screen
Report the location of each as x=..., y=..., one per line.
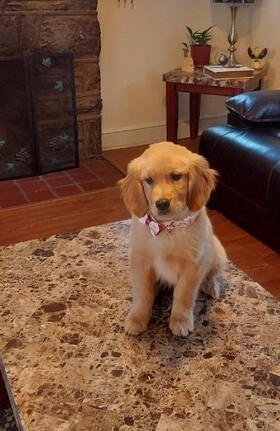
x=38, y=126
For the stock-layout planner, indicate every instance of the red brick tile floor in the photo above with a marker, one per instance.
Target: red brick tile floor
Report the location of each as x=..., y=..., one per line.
x=91, y=175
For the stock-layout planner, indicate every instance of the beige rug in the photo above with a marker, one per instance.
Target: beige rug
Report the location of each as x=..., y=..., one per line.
x=69, y=365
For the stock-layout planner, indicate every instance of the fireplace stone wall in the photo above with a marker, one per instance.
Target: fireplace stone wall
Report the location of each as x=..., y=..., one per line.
x=48, y=26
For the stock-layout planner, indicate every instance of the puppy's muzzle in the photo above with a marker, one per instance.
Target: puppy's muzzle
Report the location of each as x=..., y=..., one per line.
x=163, y=205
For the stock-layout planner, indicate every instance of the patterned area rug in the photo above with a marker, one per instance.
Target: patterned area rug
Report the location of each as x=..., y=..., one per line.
x=69, y=364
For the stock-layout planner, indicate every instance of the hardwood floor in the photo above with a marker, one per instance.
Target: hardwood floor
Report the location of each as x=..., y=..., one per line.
x=103, y=206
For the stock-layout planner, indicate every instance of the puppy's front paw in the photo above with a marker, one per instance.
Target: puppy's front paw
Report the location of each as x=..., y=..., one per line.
x=135, y=323
x=181, y=326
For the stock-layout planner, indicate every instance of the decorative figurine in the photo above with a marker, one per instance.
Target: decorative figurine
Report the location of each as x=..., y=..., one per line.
x=188, y=65
x=256, y=56
x=221, y=58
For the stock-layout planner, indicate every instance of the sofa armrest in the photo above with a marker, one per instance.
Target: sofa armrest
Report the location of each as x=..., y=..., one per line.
x=254, y=109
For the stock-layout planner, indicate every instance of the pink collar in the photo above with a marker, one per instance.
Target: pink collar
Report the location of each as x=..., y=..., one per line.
x=157, y=227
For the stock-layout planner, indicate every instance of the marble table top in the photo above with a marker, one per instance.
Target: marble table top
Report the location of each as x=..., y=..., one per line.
x=198, y=78
x=68, y=364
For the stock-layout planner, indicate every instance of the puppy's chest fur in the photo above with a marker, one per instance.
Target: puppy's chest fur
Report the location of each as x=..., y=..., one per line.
x=170, y=253
x=173, y=256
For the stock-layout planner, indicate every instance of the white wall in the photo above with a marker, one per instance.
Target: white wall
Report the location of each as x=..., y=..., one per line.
x=139, y=44
x=266, y=33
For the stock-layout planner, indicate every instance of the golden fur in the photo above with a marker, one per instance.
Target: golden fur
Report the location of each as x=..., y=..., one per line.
x=169, y=182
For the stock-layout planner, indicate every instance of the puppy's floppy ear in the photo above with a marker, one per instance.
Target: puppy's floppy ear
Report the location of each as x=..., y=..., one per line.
x=202, y=181
x=132, y=190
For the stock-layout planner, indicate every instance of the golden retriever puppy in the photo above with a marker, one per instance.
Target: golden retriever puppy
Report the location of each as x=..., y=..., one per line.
x=166, y=190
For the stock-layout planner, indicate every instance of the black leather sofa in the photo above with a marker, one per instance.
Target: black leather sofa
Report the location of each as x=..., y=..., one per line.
x=246, y=153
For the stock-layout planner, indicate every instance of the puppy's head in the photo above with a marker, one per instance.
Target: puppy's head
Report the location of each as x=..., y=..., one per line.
x=167, y=181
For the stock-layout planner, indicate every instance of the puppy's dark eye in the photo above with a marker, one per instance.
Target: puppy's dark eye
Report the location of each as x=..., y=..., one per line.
x=176, y=176
x=149, y=181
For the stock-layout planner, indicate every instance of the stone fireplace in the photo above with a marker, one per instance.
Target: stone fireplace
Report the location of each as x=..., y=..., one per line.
x=39, y=27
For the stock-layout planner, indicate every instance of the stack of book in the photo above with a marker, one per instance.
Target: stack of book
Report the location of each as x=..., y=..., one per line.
x=223, y=72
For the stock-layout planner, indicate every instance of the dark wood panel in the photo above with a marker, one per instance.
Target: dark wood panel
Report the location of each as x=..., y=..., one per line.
x=4, y=399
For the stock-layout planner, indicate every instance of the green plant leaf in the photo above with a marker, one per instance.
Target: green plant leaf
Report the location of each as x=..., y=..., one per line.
x=200, y=37
x=189, y=30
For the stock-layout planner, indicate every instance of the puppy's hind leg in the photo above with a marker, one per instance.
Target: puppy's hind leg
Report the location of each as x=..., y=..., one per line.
x=143, y=295
x=211, y=283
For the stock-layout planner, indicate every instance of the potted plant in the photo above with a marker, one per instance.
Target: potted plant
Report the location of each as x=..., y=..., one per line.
x=200, y=50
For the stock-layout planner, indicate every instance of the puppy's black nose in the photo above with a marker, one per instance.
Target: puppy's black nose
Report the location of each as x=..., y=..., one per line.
x=163, y=204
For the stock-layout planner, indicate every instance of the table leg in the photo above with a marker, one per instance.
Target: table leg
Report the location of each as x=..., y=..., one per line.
x=259, y=87
x=171, y=112
x=195, y=99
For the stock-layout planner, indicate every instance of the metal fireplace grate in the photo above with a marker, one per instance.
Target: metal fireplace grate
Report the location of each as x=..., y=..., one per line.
x=38, y=120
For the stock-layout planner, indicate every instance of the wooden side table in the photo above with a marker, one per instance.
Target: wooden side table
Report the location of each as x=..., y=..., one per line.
x=196, y=84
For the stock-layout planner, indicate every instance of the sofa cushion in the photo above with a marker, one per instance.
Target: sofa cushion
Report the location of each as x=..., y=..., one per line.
x=256, y=107
x=247, y=160
x=248, y=191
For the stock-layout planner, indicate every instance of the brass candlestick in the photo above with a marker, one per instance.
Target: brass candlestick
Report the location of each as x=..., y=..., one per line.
x=232, y=38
